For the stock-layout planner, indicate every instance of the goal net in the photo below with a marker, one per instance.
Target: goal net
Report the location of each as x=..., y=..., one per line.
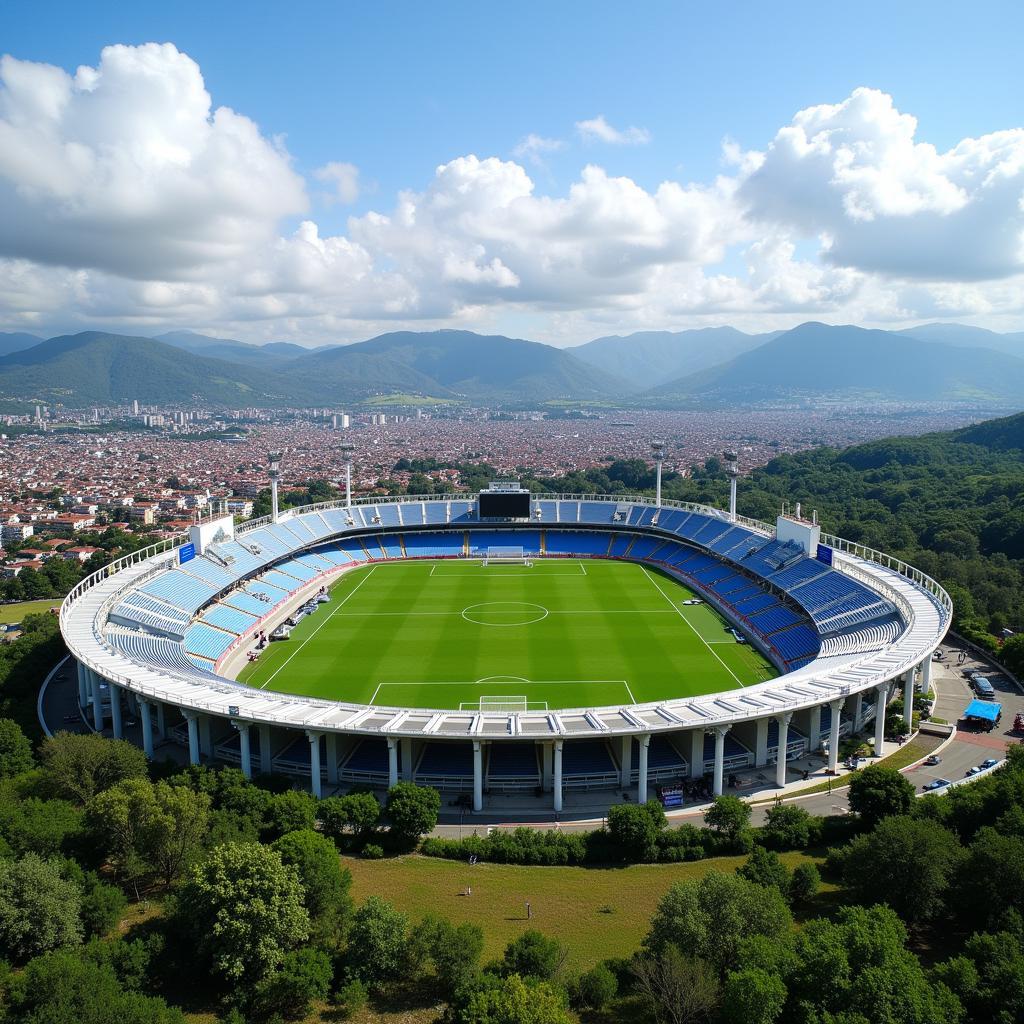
x=504, y=702
x=505, y=556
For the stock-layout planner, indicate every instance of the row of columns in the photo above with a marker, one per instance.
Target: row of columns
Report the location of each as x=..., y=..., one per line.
x=200, y=740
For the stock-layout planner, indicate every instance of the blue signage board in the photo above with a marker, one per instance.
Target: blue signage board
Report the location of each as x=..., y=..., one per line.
x=824, y=554
x=186, y=553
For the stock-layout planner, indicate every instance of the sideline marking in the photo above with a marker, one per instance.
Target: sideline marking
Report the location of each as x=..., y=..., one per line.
x=654, y=580
x=318, y=628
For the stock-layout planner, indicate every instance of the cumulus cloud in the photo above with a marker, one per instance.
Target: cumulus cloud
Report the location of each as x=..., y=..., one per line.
x=129, y=200
x=597, y=129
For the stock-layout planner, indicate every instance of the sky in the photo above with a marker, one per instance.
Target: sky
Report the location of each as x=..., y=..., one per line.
x=325, y=172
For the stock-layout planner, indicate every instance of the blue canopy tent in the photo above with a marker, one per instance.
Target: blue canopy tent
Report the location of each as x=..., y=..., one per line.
x=983, y=711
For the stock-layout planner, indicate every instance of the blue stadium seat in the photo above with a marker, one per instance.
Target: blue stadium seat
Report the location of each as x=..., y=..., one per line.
x=228, y=618
x=207, y=642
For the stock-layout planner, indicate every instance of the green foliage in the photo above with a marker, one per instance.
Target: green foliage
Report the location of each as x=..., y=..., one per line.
x=290, y=811
x=46, y=827
x=511, y=1000
x=303, y=977
x=679, y=989
x=729, y=816
x=596, y=988
x=877, y=792
x=378, y=950
x=634, y=830
x=102, y=905
x=15, y=750
x=453, y=950
x=763, y=867
x=988, y=978
x=412, y=811
x=39, y=908
x=242, y=909
x=78, y=766
x=325, y=882
x=355, y=813
x=787, y=827
x=804, y=884
x=533, y=955
x=752, y=996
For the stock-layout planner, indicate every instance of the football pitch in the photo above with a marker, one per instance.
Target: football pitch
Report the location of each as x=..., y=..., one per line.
x=557, y=634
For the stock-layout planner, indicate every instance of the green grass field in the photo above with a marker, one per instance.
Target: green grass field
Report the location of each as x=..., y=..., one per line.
x=559, y=634
x=16, y=612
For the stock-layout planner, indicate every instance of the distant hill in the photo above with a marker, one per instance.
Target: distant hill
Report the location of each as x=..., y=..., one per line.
x=964, y=336
x=90, y=368
x=15, y=341
x=458, y=364
x=1004, y=434
x=272, y=354
x=648, y=359
x=817, y=362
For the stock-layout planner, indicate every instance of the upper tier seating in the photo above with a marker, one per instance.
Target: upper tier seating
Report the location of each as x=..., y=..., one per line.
x=207, y=642
x=231, y=619
x=178, y=588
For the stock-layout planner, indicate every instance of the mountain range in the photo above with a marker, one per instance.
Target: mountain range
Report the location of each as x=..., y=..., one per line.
x=704, y=368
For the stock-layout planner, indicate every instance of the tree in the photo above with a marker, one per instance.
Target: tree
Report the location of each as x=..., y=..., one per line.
x=377, y=942
x=412, y=811
x=877, y=792
x=710, y=917
x=289, y=812
x=454, y=950
x=102, y=905
x=177, y=831
x=679, y=989
x=512, y=1000
x=1012, y=654
x=358, y=812
x=988, y=978
x=119, y=818
x=787, y=827
x=304, y=976
x=752, y=996
x=39, y=826
x=904, y=862
x=764, y=868
x=804, y=884
x=634, y=830
x=78, y=766
x=533, y=955
x=729, y=816
x=596, y=988
x=243, y=910
x=39, y=909
x=15, y=750
x=325, y=881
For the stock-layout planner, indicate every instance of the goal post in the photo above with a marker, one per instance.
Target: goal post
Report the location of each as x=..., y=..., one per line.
x=505, y=556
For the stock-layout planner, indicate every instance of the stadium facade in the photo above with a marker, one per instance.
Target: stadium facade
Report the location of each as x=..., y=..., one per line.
x=845, y=625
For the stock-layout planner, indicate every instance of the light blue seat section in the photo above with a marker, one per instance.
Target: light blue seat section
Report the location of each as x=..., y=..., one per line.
x=183, y=591
x=228, y=618
x=207, y=642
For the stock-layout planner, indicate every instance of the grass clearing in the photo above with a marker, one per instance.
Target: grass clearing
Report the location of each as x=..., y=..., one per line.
x=561, y=633
x=596, y=912
x=17, y=611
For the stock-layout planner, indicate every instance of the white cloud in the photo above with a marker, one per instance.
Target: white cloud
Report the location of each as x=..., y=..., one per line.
x=343, y=179
x=129, y=201
x=597, y=129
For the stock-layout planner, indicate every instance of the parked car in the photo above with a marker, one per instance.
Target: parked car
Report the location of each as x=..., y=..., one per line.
x=936, y=784
x=933, y=759
x=989, y=762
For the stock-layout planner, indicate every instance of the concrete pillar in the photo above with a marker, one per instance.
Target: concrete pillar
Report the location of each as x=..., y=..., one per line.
x=205, y=736
x=641, y=792
x=626, y=761
x=132, y=701
x=407, y=762
x=926, y=674
x=780, y=757
x=478, y=776
x=331, y=743
x=720, y=731
x=147, y=728
x=266, y=756
x=315, y=781
x=761, y=743
x=881, y=693
x=392, y=761
x=556, y=781
x=97, y=701
x=858, y=712
x=836, y=706
x=908, y=698
x=83, y=685
x=244, y=747
x=547, y=751
x=116, y=723
x=697, y=754
x=193, y=736
x=814, y=728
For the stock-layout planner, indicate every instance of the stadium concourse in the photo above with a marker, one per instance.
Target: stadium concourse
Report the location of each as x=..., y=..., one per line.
x=159, y=634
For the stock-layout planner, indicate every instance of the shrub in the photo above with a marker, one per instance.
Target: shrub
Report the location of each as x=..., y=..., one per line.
x=596, y=988
x=371, y=851
x=805, y=883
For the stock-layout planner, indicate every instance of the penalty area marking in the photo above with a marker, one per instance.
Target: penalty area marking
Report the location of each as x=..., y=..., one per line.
x=508, y=679
x=502, y=575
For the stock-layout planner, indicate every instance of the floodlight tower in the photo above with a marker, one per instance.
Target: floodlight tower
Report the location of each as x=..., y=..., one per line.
x=274, y=459
x=658, y=452
x=346, y=457
x=734, y=473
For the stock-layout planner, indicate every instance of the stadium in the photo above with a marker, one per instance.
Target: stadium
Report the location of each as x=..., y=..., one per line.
x=504, y=643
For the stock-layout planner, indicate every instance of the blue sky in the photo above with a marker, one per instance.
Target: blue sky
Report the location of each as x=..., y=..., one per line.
x=399, y=89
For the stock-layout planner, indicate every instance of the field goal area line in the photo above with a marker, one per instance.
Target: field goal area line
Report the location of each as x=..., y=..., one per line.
x=529, y=682
x=479, y=562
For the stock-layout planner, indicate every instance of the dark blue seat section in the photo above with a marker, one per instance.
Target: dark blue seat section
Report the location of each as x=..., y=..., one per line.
x=432, y=545
x=643, y=547
x=779, y=617
x=773, y=556
x=773, y=733
x=728, y=540
x=796, y=642
x=826, y=717
x=370, y=757
x=391, y=545
x=548, y=511
x=733, y=747
x=758, y=603
x=587, y=757
x=446, y=759
x=670, y=519
x=694, y=524
x=577, y=543
x=597, y=511
x=800, y=572
x=660, y=754
x=620, y=544
x=714, y=573
x=513, y=761
x=437, y=513
x=528, y=540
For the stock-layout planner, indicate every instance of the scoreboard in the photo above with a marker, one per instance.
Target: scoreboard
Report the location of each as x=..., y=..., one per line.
x=504, y=499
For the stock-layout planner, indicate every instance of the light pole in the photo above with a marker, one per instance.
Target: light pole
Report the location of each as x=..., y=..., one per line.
x=346, y=457
x=734, y=473
x=274, y=458
x=658, y=452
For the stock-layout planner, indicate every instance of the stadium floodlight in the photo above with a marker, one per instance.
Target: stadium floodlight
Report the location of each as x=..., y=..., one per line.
x=658, y=452
x=274, y=461
x=733, y=470
x=346, y=457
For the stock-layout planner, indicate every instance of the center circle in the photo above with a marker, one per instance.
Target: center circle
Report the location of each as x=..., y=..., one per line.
x=505, y=613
